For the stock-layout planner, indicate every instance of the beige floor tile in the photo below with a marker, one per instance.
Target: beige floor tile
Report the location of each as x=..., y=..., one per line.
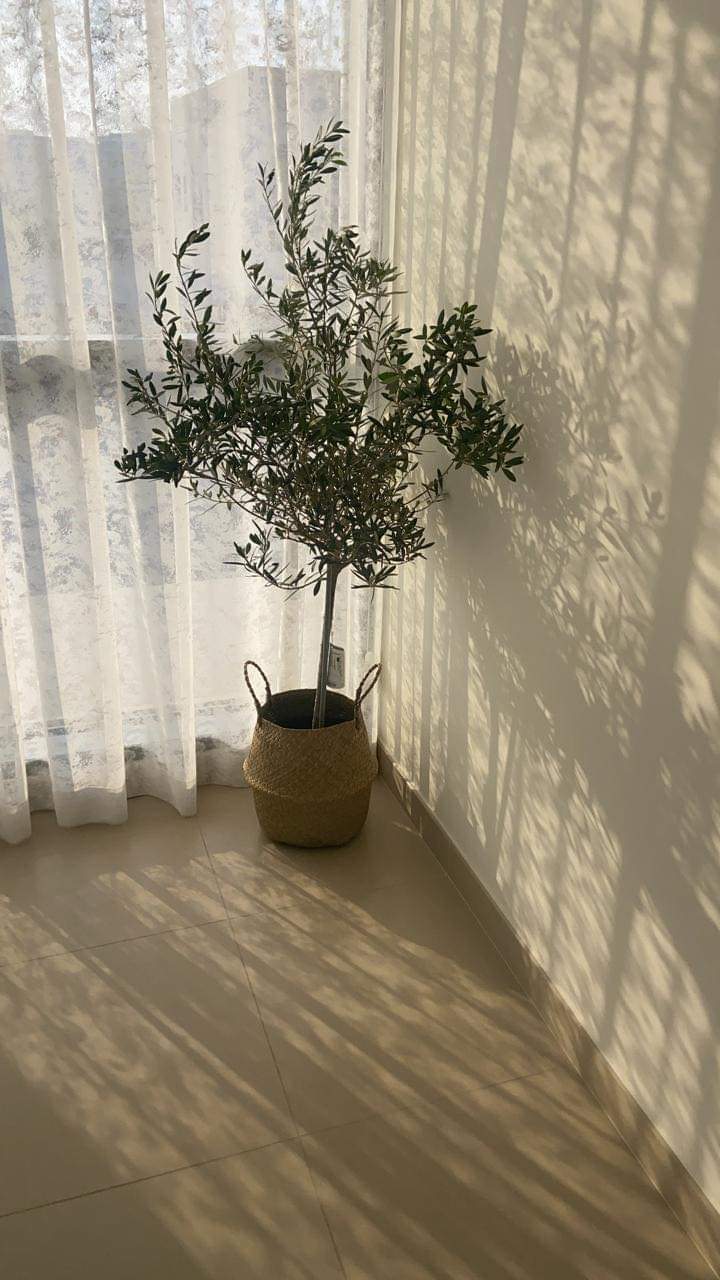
x=227, y=817
x=387, y=1010
x=375, y=1005
x=387, y=850
x=80, y=887
x=250, y=1217
x=129, y=1060
x=523, y=1181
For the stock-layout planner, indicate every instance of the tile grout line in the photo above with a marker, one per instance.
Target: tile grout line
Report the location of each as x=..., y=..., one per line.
x=215, y=876
x=299, y=1134
x=261, y=1020
x=213, y=872
x=576, y=1071
x=303, y=1135
x=148, y=1177
x=291, y=1113
x=437, y=1102
x=532, y=1002
x=401, y=879
x=372, y=1115
x=113, y=1186
x=198, y=1164
x=403, y=876
x=658, y=1190
x=12, y=967
x=286, y=918
x=385, y=1116
x=321, y=1206
x=250, y=986
x=297, y=1138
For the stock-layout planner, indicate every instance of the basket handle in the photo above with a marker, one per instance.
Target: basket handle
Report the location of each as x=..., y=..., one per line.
x=364, y=688
x=253, y=695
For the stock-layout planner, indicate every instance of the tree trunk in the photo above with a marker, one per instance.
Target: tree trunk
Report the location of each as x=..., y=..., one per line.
x=331, y=576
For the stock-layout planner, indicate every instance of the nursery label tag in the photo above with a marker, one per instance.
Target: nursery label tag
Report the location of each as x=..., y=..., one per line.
x=336, y=673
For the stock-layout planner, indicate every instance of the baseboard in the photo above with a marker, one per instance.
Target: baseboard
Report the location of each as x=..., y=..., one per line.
x=685, y=1197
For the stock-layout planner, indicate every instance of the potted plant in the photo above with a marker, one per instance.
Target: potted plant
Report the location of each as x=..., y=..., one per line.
x=321, y=445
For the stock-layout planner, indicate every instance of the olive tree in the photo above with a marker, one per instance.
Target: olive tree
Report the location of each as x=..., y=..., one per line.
x=323, y=444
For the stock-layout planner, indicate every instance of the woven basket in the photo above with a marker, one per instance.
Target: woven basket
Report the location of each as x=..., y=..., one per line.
x=311, y=787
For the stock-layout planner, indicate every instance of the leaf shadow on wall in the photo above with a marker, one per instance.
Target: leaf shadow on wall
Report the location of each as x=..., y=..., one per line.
x=594, y=746
x=556, y=658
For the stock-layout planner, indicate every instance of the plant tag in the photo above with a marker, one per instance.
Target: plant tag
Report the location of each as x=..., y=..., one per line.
x=336, y=673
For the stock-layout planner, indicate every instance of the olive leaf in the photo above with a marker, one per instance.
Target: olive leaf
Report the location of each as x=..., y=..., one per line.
x=316, y=429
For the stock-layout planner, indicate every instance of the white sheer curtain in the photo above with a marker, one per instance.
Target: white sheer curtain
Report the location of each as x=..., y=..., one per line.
x=124, y=123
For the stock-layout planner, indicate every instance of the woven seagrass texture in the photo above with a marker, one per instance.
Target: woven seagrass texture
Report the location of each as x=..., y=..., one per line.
x=311, y=786
x=310, y=764
x=311, y=825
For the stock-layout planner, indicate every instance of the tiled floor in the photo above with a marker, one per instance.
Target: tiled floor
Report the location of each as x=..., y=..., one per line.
x=224, y=1060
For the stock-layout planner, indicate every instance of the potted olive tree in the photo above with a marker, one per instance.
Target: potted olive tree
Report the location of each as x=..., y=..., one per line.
x=316, y=431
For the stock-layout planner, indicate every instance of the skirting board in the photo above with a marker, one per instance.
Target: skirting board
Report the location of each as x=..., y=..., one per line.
x=678, y=1187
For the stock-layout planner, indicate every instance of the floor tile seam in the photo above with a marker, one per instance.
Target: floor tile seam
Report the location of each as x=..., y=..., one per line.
x=149, y=1177
x=646, y=1176
x=265, y=1032
x=323, y=1211
x=437, y=1102
x=252, y=992
x=316, y=877
x=216, y=878
x=56, y=845
x=514, y=989
x=12, y=966
x=568, y=1063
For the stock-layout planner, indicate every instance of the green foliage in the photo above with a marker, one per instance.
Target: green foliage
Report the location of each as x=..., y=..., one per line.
x=320, y=445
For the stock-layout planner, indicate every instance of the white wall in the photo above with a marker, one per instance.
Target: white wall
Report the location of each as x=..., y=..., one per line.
x=552, y=670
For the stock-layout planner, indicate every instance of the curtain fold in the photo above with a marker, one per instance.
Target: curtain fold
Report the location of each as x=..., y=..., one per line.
x=123, y=124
